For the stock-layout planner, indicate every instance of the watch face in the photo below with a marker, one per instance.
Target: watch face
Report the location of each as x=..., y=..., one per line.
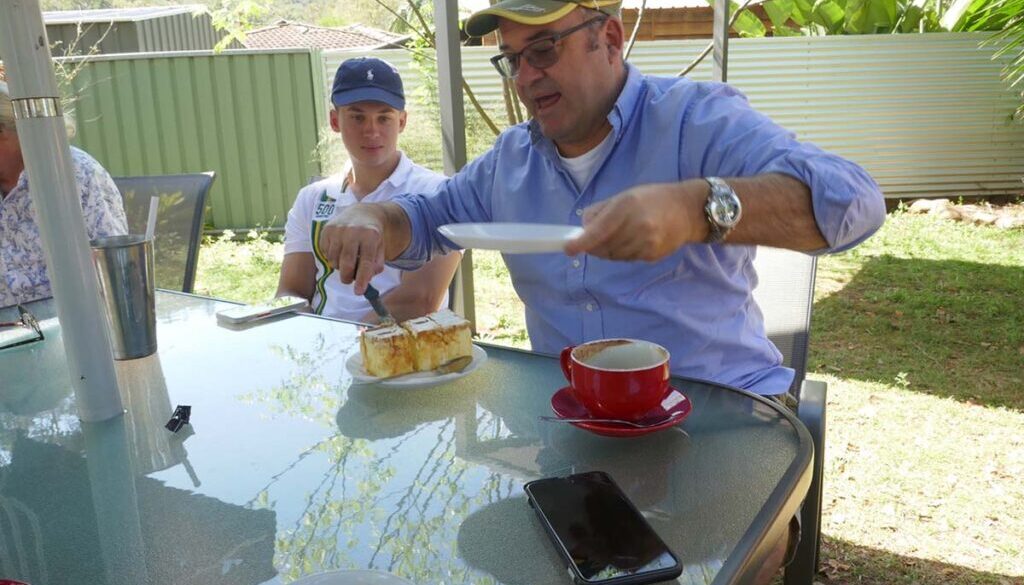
x=725, y=210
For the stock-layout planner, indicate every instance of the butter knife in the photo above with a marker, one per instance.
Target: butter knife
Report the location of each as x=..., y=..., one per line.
x=373, y=295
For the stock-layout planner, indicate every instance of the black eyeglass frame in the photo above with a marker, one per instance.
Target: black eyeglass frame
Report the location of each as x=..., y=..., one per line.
x=27, y=319
x=513, y=58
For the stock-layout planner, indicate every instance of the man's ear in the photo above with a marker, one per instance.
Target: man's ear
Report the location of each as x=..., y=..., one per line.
x=403, y=117
x=335, y=121
x=614, y=37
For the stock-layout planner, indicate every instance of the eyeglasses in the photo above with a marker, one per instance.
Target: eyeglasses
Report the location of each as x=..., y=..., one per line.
x=28, y=330
x=540, y=54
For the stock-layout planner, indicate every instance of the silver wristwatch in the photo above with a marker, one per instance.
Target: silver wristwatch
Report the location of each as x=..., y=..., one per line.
x=722, y=209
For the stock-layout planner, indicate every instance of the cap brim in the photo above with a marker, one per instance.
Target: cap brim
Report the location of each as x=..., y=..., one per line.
x=368, y=94
x=532, y=12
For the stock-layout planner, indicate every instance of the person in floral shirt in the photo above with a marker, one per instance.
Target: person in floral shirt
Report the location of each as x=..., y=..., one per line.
x=23, y=274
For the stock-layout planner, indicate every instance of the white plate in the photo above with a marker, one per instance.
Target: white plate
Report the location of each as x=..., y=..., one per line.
x=354, y=365
x=352, y=577
x=511, y=238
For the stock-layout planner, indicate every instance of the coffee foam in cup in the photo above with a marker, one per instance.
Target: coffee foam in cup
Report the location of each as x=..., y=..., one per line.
x=620, y=354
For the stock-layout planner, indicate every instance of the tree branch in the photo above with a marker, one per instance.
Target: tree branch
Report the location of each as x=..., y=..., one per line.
x=711, y=45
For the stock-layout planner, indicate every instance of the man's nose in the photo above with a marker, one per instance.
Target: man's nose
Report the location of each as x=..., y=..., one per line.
x=526, y=76
x=372, y=128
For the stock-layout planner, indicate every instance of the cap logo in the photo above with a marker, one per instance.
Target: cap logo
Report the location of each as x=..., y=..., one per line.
x=526, y=8
x=369, y=75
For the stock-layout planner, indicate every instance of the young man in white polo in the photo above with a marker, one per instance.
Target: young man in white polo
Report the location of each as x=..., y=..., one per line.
x=369, y=112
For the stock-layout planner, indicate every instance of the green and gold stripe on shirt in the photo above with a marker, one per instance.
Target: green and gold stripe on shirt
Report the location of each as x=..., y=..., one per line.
x=323, y=265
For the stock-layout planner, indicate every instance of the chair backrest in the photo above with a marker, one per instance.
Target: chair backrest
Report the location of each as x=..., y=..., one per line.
x=785, y=293
x=179, y=222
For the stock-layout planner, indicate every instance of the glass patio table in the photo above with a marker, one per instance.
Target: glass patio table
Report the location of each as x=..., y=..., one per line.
x=287, y=469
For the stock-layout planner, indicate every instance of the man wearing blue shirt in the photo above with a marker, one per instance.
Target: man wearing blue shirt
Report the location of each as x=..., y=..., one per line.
x=674, y=182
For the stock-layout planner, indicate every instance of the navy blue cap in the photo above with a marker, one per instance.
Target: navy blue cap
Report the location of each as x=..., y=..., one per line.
x=368, y=79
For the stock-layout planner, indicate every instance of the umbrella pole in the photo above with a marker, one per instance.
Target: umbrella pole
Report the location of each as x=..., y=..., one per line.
x=116, y=501
x=44, y=144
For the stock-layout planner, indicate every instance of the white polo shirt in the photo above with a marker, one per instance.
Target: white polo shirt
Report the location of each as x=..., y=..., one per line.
x=317, y=203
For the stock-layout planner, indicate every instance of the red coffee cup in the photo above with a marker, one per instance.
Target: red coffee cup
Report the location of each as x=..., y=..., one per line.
x=617, y=378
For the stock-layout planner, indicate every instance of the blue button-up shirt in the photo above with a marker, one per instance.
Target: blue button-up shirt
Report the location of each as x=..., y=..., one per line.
x=696, y=302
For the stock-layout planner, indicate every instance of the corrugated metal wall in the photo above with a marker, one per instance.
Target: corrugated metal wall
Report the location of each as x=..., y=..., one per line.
x=173, y=32
x=252, y=117
x=925, y=114
x=107, y=37
x=177, y=32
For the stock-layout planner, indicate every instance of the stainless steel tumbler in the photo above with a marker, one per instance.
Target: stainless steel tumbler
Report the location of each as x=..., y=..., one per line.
x=124, y=267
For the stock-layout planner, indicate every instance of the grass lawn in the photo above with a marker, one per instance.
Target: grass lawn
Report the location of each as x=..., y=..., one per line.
x=920, y=335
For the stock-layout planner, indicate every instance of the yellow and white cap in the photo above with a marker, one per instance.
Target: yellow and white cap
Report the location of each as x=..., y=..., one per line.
x=531, y=12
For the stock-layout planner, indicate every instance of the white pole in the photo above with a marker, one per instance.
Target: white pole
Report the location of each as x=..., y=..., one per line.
x=720, y=39
x=44, y=145
x=453, y=131
x=154, y=203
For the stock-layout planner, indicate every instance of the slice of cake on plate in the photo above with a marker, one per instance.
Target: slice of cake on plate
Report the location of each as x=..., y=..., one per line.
x=420, y=344
x=387, y=351
x=439, y=338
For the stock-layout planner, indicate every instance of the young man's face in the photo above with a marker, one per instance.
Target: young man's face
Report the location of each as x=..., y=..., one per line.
x=569, y=99
x=369, y=130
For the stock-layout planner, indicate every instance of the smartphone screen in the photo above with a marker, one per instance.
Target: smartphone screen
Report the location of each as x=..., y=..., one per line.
x=599, y=531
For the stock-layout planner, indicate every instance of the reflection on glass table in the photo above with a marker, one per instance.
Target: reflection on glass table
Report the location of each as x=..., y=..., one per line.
x=288, y=470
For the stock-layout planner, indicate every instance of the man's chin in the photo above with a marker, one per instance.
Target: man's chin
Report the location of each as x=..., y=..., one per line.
x=552, y=130
x=373, y=160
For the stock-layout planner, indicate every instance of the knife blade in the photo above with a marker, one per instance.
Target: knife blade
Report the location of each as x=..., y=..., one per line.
x=373, y=295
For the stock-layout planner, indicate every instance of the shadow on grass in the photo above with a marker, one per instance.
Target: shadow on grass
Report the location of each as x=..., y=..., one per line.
x=845, y=563
x=947, y=328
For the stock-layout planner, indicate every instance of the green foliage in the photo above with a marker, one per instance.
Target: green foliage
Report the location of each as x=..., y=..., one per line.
x=233, y=18
x=378, y=14
x=833, y=17
x=870, y=15
x=1009, y=15
x=975, y=15
x=747, y=23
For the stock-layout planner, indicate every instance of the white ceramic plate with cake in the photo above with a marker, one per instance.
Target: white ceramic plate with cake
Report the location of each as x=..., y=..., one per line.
x=511, y=238
x=355, y=368
x=407, y=354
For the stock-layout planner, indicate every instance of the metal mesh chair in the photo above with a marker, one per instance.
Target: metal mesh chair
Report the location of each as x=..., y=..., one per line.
x=179, y=224
x=785, y=293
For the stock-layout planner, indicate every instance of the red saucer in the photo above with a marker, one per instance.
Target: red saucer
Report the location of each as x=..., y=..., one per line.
x=565, y=405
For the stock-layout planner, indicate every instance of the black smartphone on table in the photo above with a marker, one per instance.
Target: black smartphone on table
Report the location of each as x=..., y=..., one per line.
x=599, y=532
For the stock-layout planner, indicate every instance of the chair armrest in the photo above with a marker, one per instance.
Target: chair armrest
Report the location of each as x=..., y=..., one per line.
x=811, y=411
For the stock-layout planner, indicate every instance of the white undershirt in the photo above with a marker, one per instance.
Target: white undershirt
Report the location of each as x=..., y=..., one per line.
x=582, y=167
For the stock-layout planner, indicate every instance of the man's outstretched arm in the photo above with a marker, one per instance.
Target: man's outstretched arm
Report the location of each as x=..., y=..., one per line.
x=361, y=238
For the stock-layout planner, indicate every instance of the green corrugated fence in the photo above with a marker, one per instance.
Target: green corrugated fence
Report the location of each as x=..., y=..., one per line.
x=252, y=117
